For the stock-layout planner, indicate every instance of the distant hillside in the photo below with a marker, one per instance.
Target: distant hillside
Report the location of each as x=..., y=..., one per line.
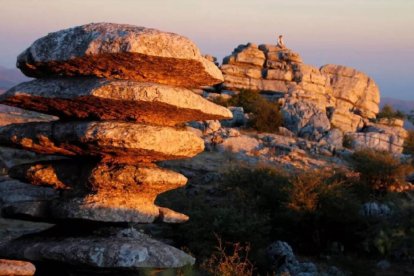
x=404, y=105
x=10, y=77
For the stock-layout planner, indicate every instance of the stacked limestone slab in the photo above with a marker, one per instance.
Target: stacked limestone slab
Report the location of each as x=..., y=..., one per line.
x=314, y=100
x=121, y=93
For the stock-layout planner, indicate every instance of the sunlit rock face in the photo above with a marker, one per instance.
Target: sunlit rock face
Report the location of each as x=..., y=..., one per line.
x=346, y=99
x=117, y=51
x=16, y=268
x=93, y=98
x=120, y=94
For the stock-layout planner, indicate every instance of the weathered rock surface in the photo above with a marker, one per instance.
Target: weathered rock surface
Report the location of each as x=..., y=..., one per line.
x=14, y=191
x=112, y=207
x=305, y=120
x=379, y=136
x=116, y=51
x=348, y=97
x=124, y=250
x=260, y=68
x=12, y=115
x=16, y=268
x=127, y=87
x=352, y=86
x=115, y=141
x=103, y=192
x=284, y=262
x=100, y=99
x=345, y=120
x=241, y=143
x=377, y=141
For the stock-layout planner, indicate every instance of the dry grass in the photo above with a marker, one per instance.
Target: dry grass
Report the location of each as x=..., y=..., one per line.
x=234, y=264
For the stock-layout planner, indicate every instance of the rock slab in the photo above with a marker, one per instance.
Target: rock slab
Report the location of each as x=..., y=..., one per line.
x=117, y=51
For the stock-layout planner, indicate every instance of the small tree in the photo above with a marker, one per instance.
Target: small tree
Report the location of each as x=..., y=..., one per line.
x=379, y=169
x=266, y=115
x=389, y=113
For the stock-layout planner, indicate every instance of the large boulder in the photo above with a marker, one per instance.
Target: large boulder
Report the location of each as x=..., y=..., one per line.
x=16, y=268
x=249, y=55
x=117, y=51
x=380, y=137
x=111, y=140
x=127, y=249
x=14, y=191
x=91, y=98
x=355, y=88
x=304, y=119
x=374, y=140
x=99, y=192
x=259, y=68
x=238, y=144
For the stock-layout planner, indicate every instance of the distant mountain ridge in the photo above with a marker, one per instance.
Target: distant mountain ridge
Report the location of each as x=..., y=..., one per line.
x=403, y=105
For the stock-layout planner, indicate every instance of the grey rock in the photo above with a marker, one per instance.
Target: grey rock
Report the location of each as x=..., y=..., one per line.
x=14, y=191
x=374, y=209
x=334, y=138
x=281, y=256
x=239, y=118
x=130, y=250
x=383, y=265
x=305, y=119
x=377, y=141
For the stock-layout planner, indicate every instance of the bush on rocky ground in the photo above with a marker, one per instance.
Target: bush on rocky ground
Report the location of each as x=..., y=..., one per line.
x=379, y=170
x=388, y=112
x=266, y=115
x=315, y=212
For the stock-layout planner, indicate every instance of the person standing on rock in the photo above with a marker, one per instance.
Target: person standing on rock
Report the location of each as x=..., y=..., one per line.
x=280, y=42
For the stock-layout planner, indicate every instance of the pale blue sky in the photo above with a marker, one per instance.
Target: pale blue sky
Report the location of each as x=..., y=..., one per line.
x=374, y=36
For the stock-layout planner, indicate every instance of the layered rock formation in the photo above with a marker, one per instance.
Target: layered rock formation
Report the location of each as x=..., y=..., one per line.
x=110, y=132
x=313, y=100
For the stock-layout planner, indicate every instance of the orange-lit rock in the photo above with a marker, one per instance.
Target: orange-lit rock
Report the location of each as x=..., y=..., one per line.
x=16, y=268
x=100, y=99
x=111, y=140
x=117, y=51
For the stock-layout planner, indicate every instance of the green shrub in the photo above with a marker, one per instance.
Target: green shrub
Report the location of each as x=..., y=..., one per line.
x=388, y=112
x=379, y=170
x=266, y=115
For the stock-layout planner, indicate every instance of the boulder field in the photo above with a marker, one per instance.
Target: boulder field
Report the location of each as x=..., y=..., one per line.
x=120, y=95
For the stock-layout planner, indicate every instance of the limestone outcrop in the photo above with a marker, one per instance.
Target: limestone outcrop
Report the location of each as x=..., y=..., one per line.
x=313, y=100
x=353, y=90
x=111, y=87
x=381, y=136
